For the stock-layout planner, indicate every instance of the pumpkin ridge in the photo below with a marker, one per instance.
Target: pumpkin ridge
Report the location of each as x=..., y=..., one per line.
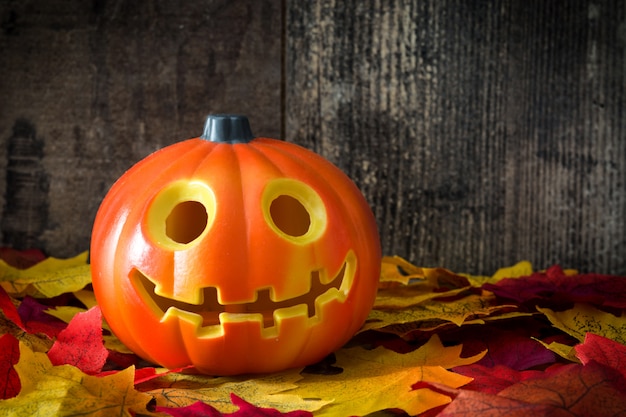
x=294, y=153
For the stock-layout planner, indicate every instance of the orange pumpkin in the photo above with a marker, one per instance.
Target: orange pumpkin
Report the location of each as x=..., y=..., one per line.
x=234, y=254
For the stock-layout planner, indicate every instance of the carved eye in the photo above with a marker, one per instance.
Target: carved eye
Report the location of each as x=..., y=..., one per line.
x=294, y=211
x=181, y=214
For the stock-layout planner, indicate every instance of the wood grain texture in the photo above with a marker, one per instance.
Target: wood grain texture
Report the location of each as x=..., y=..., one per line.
x=481, y=132
x=87, y=88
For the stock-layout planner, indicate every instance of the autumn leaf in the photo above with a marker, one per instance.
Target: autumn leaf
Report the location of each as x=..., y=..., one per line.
x=36, y=320
x=520, y=269
x=65, y=313
x=558, y=286
x=87, y=297
x=65, y=390
x=197, y=409
x=9, y=309
x=604, y=351
x=397, y=269
x=510, y=348
x=81, y=344
x=403, y=297
x=474, y=403
x=492, y=380
x=48, y=278
x=565, y=351
x=269, y=391
x=21, y=259
x=589, y=390
x=583, y=319
x=9, y=355
x=434, y=314
x=378, y=379
x=38, y=342
x=200, y=409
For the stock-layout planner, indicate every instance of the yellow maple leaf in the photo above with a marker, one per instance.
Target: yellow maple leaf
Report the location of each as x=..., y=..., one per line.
x=410, y=295
x=49, y=390
x=434, y=314
x=584, y=318
x=268, y=391
x=374, y=380
x=87, y=297
x=48, y=278
x=65, y=313
x=397, y=269
x=563, y=350
x=520, y=269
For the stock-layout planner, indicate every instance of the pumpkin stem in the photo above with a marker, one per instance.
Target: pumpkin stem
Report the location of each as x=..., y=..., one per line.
x=227, y=128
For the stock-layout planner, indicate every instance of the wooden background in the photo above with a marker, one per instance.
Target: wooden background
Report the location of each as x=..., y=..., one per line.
x=481, y=132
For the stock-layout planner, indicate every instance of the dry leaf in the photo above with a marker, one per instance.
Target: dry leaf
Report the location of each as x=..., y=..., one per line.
x=87, y=297
x=48, y=278
x=397, y=269
x=556, y=286
x=604, y=351
x=49, y=390
x=80, y=343
x=408, y=296
x=434, y=314
x=520, y=269
x=583, y=319
x=9, y=356
x=378, y=379
x=571, y=390
x=269, y=391
x=561, y=349
x=65, y=313
x=38, y=342
x=245, y=409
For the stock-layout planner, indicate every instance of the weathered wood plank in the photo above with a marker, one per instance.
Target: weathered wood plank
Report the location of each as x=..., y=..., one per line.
x=481, y=132
x=90, y=87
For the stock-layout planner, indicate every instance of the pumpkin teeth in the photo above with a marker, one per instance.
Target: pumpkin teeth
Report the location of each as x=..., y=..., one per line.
x=209, y=313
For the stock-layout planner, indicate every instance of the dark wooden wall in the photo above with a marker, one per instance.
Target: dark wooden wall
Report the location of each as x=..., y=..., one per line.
x=89, y=87
x=482, y=132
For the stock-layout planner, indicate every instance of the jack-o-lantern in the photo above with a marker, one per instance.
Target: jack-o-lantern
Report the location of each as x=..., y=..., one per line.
x=234, y=254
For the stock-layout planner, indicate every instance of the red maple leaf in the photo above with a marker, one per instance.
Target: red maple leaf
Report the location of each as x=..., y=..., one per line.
x=510, y=348
x=9, y=356
x=555, y=286
x=582, y=390
x=36, y=320
x=492, y=380
x=21, y=259
x=9, y=309
x=604, y=351
x=81, y=344
x=200, y=409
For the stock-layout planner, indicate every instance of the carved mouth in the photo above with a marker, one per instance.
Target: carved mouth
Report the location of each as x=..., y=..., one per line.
x=209, y=314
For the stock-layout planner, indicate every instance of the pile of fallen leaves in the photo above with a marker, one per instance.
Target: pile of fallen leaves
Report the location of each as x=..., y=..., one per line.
x=437, y=343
